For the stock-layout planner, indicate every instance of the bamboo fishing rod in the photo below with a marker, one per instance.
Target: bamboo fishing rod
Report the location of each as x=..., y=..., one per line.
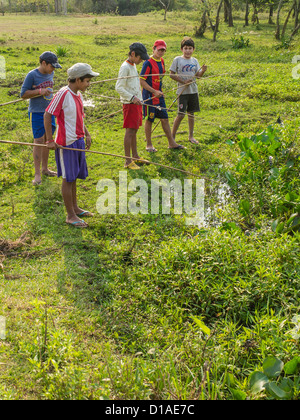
x=102, y=81
x=148, y=162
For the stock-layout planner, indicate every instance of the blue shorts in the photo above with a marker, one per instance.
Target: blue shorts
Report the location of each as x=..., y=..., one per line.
x=37, y=124
x=150, y=113
x=72, y=165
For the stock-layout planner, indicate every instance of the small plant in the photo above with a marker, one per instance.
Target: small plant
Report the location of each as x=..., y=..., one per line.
x=285, y=43
x=61, y=51
x=238, y=43
x=273, y=383
x=95, y=21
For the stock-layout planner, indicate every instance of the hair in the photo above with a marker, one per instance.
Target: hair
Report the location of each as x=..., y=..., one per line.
x=47, y=62
x=188, y=42
x=86, y=76
x=137, y=54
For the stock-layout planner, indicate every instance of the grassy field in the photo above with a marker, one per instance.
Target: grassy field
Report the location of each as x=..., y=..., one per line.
x=145, y=306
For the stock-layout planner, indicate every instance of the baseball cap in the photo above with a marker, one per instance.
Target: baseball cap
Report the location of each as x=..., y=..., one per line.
x=51, y=58
x=140, y=50
x=160, y=44
x=81, y=69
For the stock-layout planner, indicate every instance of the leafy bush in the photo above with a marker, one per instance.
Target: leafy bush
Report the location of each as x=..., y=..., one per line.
x=240, y=42
x=266, y=178
x=61, y=51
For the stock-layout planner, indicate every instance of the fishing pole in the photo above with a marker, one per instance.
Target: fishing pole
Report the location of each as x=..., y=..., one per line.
x=148, y=162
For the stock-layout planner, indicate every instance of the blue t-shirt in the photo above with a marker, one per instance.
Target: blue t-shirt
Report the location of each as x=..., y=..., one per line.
x=36, y=80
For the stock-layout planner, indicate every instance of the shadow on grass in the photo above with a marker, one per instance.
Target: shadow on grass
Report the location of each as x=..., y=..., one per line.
x=84, y=278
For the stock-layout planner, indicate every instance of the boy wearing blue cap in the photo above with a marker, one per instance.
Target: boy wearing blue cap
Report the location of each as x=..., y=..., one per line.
x=38, y=88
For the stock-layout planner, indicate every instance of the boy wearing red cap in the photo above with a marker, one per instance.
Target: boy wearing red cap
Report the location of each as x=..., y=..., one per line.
x=154, y=102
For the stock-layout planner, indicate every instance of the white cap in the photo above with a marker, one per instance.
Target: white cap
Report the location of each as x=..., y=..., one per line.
x=81, y=69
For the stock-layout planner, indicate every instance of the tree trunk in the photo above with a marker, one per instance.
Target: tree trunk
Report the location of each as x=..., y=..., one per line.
x=271, y=12
x=217, y=21
x=203, y=25
x=277, y=33
x=287, y=19
x=247, y=13
x=228, y=4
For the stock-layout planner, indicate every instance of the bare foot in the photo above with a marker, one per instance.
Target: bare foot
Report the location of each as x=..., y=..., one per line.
x=49, y=173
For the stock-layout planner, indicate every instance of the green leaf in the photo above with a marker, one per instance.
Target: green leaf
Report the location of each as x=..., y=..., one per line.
x=201, y=325
x=244, y=207
x=276, y=391
x=272, y=367
x=238, y=395
x=290, y=368
x=258, y=381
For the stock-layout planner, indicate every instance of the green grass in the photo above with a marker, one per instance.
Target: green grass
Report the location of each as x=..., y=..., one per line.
x=111, y=312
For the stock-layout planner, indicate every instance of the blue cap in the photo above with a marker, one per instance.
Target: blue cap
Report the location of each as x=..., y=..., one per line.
x=51, y=58
x=140, y=50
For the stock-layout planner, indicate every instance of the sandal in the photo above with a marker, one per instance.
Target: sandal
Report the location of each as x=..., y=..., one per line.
x=79, y=224
x=85, y=213
x=178, y=147
x=132, y=165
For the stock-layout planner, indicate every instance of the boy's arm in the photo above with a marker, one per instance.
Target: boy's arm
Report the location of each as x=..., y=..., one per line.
x=48, y=129
x=88, y=139
x=121, y=85
x=29, y=91
x=179, y=79
x=145, y=85
x=201, y=71
x=35, y=93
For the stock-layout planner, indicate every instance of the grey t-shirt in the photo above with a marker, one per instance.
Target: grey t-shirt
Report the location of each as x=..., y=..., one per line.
x=186, y=69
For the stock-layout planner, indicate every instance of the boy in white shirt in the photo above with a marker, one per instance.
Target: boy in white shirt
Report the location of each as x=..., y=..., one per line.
x=185, y=69
x=128, y=87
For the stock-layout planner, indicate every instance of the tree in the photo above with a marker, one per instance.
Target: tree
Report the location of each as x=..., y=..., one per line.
x=166, y=5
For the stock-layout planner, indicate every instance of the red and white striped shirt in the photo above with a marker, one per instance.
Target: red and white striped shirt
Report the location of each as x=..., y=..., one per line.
x=67, y=107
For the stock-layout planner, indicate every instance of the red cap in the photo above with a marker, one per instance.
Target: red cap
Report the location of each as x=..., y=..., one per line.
x=160, y=44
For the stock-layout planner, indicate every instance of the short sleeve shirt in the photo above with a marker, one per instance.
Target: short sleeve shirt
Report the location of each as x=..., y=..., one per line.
x=186, y=69
x=36, y=80
x=67, y=107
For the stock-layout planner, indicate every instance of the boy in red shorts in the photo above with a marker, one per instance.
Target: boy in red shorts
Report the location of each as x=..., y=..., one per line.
x=67, y=107
x=128, y=87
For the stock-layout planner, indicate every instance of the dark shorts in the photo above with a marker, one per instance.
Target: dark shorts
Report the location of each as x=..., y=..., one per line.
x=150, y=113
x=37, y=124
x=133, y=116
x=72, y=165
x=189, y=103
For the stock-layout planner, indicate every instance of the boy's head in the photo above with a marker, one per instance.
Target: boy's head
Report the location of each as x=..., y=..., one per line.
x=187, y=42
x=160, y=45
x=187, y=47
x=159, y=48
x=81, y=74
x=49, y=62
x=138, y=52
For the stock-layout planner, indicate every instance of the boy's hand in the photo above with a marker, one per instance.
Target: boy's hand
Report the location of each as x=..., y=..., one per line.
x=136, y=101
x=88, y=142
x=46, y=92
x=51, y=144
x=158, y=93
x=204, y=68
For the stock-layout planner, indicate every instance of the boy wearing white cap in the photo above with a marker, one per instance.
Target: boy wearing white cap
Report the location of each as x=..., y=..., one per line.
x=67, y=107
